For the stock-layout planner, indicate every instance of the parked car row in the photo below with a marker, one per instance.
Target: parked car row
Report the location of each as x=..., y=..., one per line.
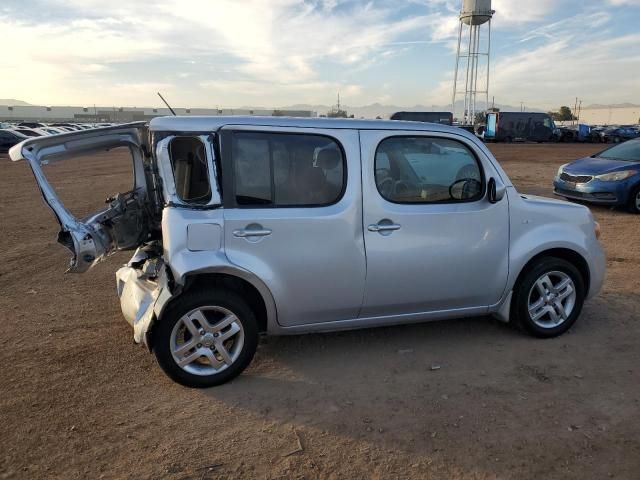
x=615, y=134
x=12, y=134
x=599, y=134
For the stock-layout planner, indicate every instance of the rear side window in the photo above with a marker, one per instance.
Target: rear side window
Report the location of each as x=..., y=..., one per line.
x=190, y=170
x=427, y=170
x=287, y=170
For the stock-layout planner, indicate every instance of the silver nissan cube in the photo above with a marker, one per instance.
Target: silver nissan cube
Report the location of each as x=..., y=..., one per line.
x=250, y=225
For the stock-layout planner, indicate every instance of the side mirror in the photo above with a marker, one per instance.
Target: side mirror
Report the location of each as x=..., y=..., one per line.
x=495, y=190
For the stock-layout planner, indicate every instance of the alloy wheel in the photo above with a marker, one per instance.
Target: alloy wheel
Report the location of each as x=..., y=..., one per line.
x=551, y=299
x=207, y=340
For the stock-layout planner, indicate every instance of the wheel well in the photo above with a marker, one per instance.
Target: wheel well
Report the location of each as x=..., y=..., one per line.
x=570, y=256
x=237, y=284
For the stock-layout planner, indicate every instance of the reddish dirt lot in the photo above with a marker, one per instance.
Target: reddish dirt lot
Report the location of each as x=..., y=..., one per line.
x=80, y=400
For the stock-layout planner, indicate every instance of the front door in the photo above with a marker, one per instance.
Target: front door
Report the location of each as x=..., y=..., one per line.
x=434, y=242
x=293, y=217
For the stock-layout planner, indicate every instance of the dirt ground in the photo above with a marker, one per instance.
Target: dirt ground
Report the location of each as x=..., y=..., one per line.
x=79, y=400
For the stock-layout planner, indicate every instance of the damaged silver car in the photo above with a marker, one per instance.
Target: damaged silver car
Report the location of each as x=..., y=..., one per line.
x=249, y=225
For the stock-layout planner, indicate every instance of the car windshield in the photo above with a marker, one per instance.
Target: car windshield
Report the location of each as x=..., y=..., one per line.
x=628, y=151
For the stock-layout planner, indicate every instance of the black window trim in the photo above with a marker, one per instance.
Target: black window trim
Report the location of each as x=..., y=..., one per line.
x=228, y=177
x=431, y=135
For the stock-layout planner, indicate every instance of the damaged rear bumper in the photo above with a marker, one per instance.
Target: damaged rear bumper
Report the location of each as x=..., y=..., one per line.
x=144, y=292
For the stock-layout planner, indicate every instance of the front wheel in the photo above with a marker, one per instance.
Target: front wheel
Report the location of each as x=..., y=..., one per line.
x=205, y=338
x=548, y=299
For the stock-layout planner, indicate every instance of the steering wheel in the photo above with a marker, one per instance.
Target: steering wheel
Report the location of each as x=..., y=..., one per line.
x=383, y=173
x=400, y=187
x=464, y=181
x=386, y=186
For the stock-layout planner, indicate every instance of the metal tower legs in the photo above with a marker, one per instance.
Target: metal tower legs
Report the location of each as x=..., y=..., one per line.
x=474, y=54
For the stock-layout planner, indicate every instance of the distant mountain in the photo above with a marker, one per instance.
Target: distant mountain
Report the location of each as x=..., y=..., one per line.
x=615, y=105
x=12, y=102
x=385, y=111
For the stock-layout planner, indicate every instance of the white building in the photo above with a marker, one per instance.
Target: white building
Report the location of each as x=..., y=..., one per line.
x=611, y=115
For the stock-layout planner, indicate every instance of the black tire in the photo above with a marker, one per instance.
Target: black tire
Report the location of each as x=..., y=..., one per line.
x=187, y=302
x=520, y=316
x=632, y=205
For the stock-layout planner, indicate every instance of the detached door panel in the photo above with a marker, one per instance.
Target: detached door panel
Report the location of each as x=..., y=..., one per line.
x=293, y=217
x=433, y=240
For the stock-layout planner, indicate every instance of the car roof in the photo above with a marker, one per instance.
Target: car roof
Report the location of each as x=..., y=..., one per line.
x=11, y=130
x=213, y=123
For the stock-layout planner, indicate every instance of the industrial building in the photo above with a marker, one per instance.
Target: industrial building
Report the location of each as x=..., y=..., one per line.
x=39, y=113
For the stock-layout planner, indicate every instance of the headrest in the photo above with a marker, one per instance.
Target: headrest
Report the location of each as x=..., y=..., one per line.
x=328, y=158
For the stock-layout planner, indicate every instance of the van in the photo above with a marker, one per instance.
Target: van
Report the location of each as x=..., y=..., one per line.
x=520, y=126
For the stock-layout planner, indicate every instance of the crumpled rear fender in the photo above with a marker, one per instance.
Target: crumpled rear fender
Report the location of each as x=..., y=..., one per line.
x=143, y=298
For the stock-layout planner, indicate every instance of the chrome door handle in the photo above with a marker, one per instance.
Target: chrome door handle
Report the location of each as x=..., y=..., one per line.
x=383, y=227
x=251, y=233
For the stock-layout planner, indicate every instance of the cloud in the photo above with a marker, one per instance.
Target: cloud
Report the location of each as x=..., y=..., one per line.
x=577, y=58
x=206, y=52
x=279, y=42
x=522, y=11
x=618, y=3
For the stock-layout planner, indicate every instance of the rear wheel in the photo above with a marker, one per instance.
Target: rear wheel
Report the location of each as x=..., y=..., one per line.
x=206, y=338
x=548, y=298
x=634, y=200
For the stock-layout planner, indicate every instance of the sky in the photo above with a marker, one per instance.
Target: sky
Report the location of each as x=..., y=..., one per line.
x=270, y=53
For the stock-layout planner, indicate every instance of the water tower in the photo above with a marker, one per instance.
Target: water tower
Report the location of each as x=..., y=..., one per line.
x=474, y=48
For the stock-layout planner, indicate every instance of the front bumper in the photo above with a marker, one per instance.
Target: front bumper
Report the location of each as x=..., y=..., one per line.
x=597, y=262
x=595, y=191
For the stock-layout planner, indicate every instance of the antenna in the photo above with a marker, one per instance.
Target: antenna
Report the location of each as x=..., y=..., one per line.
x=168, y=106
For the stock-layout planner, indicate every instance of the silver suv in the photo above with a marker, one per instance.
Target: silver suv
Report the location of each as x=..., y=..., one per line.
x=284, y=226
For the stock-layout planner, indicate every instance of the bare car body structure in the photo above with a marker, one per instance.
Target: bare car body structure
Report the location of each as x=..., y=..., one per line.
x=249, y=225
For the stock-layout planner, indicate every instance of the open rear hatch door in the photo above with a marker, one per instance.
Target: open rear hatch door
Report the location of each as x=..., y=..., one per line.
x=124, y=223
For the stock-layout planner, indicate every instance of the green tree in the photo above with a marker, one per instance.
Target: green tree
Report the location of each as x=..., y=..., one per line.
x=564, y=114
x=277, y=113
x=480, y=118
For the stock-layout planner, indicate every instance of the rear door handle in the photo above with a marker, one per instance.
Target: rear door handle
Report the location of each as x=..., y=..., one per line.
x=251, y=233
x=383, y=227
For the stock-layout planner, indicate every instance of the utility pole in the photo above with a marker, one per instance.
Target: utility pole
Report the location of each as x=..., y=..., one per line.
x=579, y=111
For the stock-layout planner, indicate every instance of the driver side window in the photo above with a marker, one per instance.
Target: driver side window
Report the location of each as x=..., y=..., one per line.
x=427, y=170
